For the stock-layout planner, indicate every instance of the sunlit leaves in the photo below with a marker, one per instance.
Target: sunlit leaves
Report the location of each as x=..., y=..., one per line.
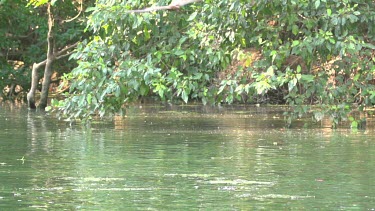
x=329, y=12
x=317, y=4
x=38, y=3
x=179, y=55
x=192, y=16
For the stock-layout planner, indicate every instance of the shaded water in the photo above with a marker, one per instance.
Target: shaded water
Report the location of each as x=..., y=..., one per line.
x=183, y=158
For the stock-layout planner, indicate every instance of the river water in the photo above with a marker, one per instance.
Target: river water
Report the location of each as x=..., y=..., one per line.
x=182, y=158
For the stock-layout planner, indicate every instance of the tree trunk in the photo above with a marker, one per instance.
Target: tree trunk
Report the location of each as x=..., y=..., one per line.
x=12, y=90
x=34, y=85
x=45, y=85
x=50, y=59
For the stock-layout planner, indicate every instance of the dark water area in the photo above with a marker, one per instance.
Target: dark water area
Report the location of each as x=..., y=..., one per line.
x=183, y=158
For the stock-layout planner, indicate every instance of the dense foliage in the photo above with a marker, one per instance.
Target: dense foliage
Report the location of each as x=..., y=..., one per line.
x=18, y=42
x=23, y=39
x=312, y=53
x=315, y=56
x=172, y=54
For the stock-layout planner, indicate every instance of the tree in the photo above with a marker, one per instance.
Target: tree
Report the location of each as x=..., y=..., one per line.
x=132, y=55
x=19, y=44
x=335, y=44
x=52, y=52
x=23, y=33
x=317, y=56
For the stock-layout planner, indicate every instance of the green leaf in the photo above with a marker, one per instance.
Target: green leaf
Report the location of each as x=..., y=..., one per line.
x=273, y=54
x=369, y=45
x=292, y=83
x=48, y=108
x=299, y=69
x=356, y=77
x=308, y=78
x=354, y=125
x=295, y=43
x=37, y=3
x=89, y=98
x=192, y=16
x=295, y=29
x=353, y=18
x=89, y=9
x=143, y=89
x=329, y=12
x=197, y=76
x=317, y=4
x=221, y=89
x=185, y=96
x=146, y=33
x=179, y=52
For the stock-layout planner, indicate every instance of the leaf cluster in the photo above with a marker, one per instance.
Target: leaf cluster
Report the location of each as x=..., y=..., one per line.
x=181, y=55
x=23, y=32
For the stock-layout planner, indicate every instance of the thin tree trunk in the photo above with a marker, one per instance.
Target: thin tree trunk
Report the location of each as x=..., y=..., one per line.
x=34, y=84
x=50, y=59
x=12, y=90
x=45, y=85
x=35, y=79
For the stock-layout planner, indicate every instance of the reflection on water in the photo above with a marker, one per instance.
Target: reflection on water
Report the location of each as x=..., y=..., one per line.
x=184, y=158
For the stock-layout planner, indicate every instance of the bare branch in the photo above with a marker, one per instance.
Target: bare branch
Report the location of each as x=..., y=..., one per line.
x=79, y=13
x=65, y=49
x=60, y=54
x=175, y=5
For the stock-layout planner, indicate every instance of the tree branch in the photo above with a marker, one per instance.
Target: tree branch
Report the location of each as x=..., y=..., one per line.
x=175, y=5
x=59, y=55
x=79, y=13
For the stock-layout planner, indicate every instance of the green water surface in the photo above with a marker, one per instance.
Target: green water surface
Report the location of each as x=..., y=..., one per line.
x=182, y=158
